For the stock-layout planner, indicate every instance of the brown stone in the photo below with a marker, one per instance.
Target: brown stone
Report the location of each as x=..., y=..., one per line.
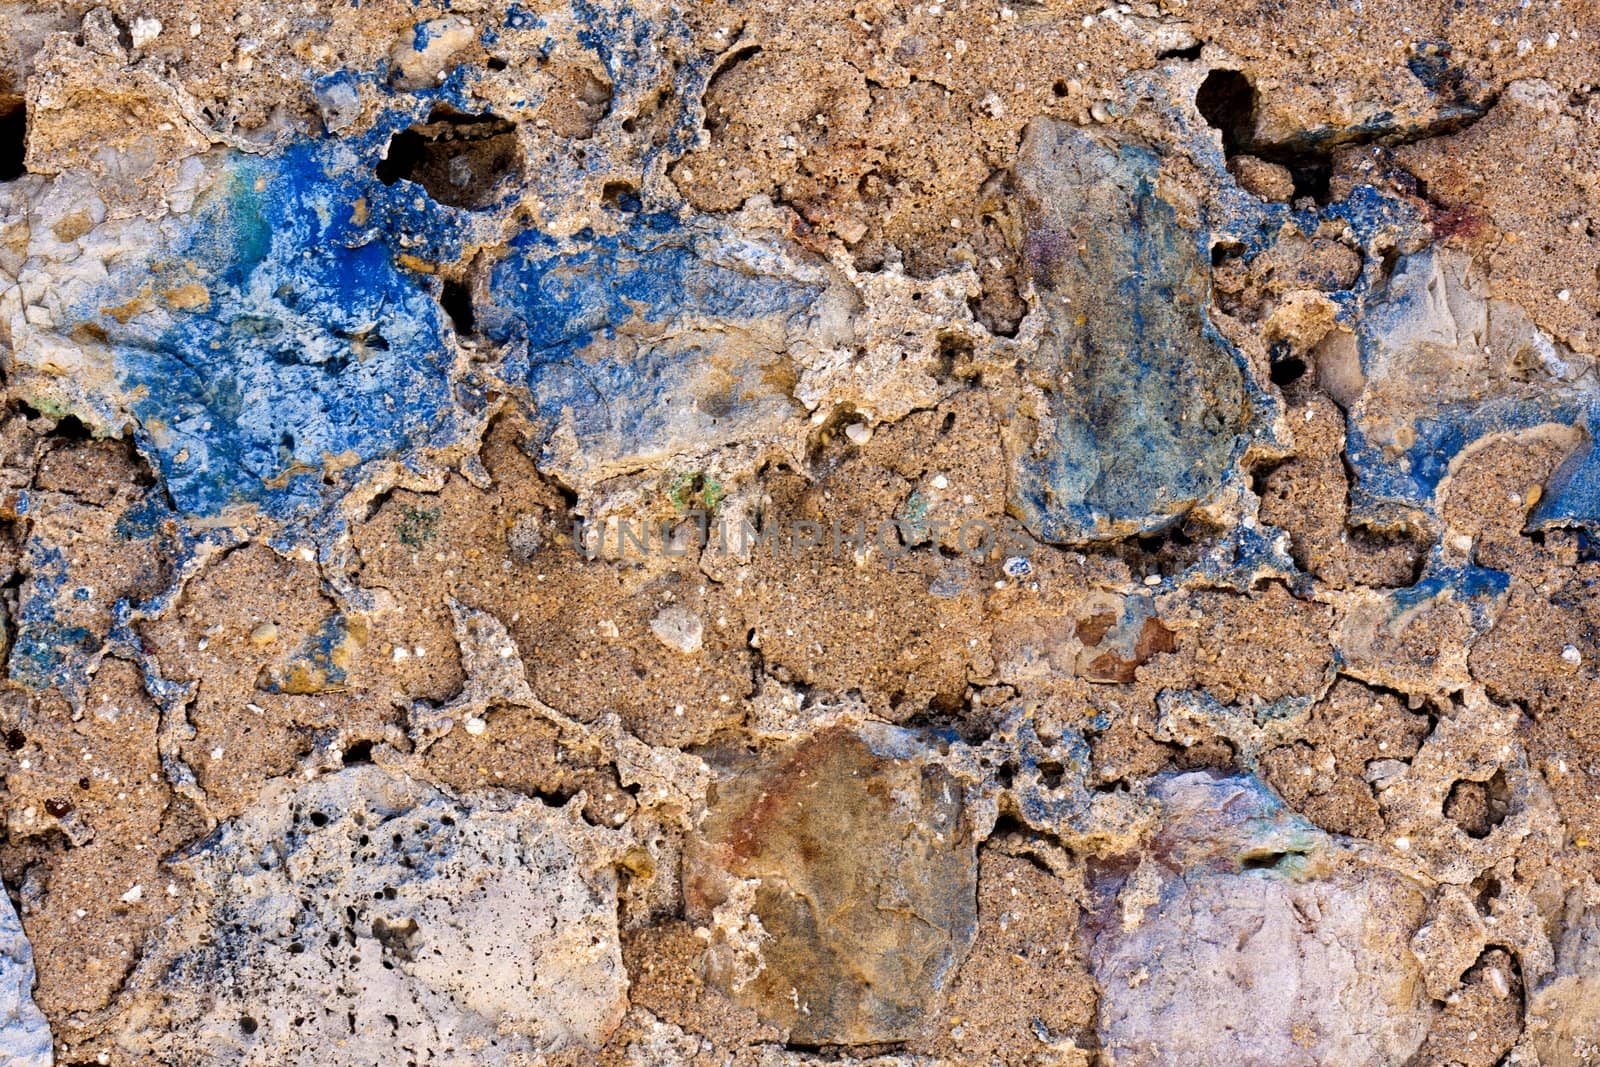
x=840, y=877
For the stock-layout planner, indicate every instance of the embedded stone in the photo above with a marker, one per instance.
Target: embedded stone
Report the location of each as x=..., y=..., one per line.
x=840, y=874
x=1142, y=407
x=24, y=1033
x=369, y=912
x=1244, y=936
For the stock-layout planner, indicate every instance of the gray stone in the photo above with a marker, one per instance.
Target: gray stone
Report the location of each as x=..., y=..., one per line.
x=24, y=1035
x=1143, y=408
x=368, y=912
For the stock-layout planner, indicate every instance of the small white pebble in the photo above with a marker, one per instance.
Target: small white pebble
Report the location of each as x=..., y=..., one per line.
x=940, y=482
x=1152, y=579
x=859, y=433
x=474, y=725
x=1564, y=295
x=1571, y=654
x=144, y=31
x=1498, y=983
x=216, y=753
x=133, y=896
x=1403, y=844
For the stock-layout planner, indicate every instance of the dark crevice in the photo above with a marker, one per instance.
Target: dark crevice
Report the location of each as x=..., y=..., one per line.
x=1265, y=861
x=1190, y=53
x=360, y=752
x=1287, y=368
x=456, y=299
x=1479, y=807
x=621, y=196
x=1227, y=101
x=459, y=159
x=13, y=138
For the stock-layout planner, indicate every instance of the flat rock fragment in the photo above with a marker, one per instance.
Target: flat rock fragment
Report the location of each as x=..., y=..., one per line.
x=24, y=1033
x=841, y=873
x=1144, y=407
x=1444, y=367
x=368, y=912
x=1242, y=937
x=263, y=343
x=664, y=339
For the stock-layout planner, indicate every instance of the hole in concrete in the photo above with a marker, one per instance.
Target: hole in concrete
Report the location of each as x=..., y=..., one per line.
x=1227, y=101
x=1223, y=251
x=1485, y=890
x=1478, y=807
x=396, y=937
x=620, y=196
x=1287, y=367
x=13, y=138
x=1263, y=861
x=1190, y=53
x=360, y=752
x=247, y=1025
x=1051, y=774
x=460, y=159
x=456, y=299
x=1312, y=174
x=955, y=357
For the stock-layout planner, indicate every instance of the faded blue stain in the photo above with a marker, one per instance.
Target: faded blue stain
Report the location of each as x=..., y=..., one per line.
x=316, y=346
x=66, y=617
x=1572, y=495
x=47, y=647
x=1436, y=357
x=662, y=335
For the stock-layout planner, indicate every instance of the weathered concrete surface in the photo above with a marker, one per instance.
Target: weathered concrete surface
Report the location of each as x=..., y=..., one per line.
x=840, y=875
x=662, y=341
x=1262, y=343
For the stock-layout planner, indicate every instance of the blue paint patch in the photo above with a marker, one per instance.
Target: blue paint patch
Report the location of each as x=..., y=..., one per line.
x=1572, y=495
x=67, y=617
x=48, y=647
x=1439, y=359
x=291, y=350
